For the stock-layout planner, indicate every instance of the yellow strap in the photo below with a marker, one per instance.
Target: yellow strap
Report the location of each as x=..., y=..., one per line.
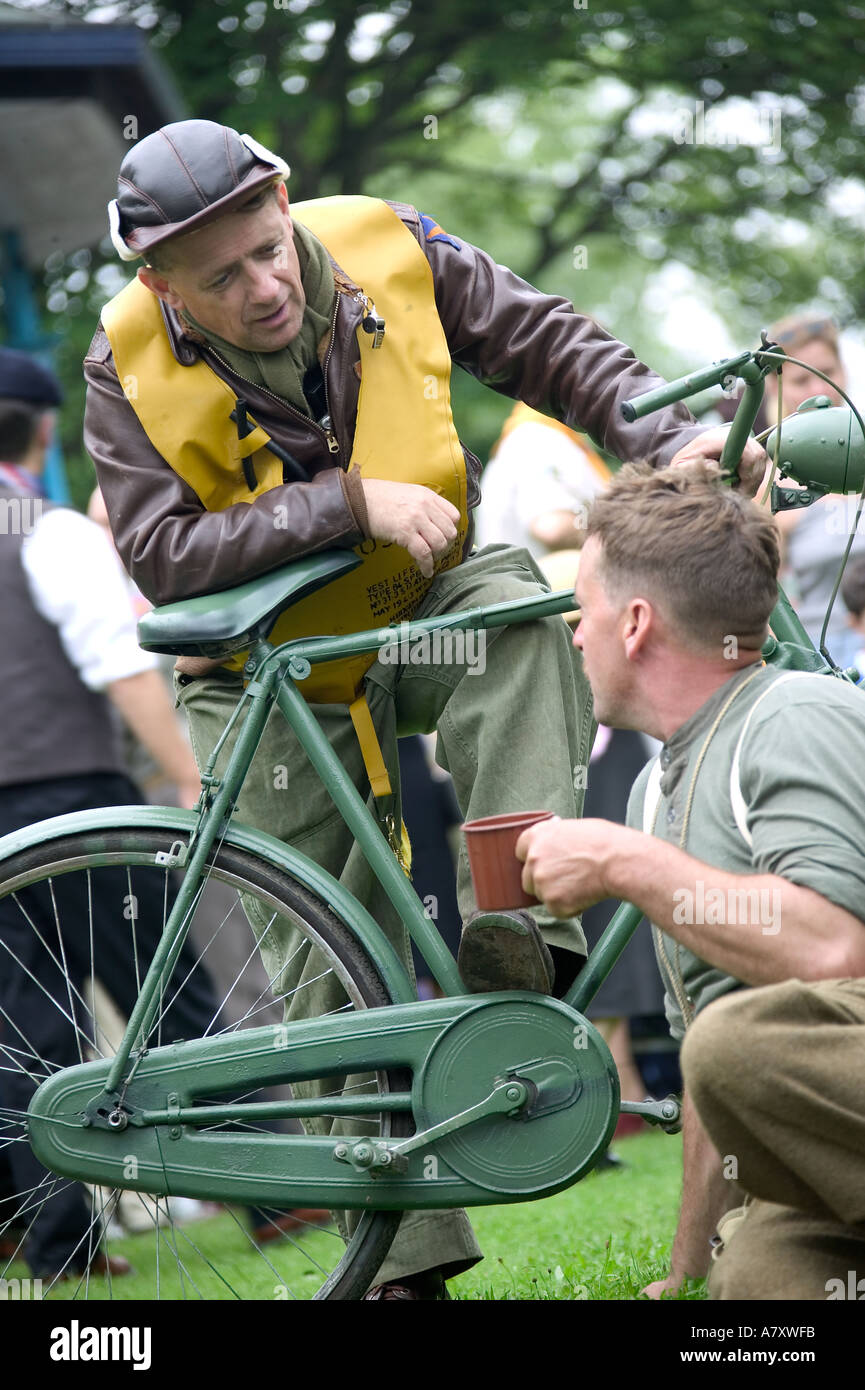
x=405, y=848
x=373, y=758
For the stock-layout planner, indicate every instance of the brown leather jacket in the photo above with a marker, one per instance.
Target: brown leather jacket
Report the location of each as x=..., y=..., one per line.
x=528, y=345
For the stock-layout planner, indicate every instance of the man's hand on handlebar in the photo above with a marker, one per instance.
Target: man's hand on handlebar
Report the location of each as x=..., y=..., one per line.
x=413, y=516
x=709, y=446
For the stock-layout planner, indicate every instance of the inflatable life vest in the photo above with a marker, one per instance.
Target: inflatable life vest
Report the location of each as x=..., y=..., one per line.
x=404, y=432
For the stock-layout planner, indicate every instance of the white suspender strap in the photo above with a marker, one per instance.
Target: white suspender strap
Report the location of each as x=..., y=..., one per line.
x=652, y=797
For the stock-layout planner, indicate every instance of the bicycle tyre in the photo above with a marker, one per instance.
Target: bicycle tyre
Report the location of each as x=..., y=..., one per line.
x=46, y=958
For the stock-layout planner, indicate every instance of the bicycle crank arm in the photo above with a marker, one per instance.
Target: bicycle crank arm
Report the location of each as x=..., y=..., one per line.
x=506, y=1098
x=534, y=1089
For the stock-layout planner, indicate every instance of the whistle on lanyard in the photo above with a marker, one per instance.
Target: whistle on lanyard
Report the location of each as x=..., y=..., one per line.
x=373, y=323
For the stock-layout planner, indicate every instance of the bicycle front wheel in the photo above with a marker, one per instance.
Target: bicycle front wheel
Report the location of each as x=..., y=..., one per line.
x=80, y=918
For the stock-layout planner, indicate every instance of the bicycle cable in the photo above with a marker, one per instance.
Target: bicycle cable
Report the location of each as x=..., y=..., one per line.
x=784, y=357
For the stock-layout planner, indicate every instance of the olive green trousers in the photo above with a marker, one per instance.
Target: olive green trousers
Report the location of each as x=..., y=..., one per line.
x=515, y=726
x=777, y=1077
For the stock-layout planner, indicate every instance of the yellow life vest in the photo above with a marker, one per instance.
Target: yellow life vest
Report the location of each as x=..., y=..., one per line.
x=523, y=414
x=404, y=432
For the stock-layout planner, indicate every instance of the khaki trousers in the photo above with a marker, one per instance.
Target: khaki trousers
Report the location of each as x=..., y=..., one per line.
x=778, y=1077
x=514, y=727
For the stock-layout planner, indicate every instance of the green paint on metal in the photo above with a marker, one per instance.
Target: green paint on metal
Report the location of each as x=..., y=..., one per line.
x=502, y=1034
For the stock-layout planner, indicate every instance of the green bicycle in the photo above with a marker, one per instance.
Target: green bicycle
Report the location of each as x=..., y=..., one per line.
x=405, y=1105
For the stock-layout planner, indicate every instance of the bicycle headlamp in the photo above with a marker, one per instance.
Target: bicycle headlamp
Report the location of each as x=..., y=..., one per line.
x=821, y=447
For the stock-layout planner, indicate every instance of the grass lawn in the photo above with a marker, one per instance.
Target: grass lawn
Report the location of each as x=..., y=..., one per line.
x=605, y=1238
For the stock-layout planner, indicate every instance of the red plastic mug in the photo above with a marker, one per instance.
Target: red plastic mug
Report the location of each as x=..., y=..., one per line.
x=496, y=871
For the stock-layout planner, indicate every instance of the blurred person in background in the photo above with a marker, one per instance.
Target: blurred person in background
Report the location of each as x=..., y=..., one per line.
x=813, y=538
x=853, y=594
x=70, y=655
x=538, y=484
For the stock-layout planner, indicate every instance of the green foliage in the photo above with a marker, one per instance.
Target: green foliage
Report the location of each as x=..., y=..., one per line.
x=539, y=129
x=593, y=145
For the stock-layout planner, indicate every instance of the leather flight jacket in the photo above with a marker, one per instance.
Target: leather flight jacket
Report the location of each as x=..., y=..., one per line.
x=510, y=336
x=525, y=344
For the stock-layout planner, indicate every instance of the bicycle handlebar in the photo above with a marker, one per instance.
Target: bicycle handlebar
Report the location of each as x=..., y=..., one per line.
x=745, y=365
x=818, y=447
x=715, y=375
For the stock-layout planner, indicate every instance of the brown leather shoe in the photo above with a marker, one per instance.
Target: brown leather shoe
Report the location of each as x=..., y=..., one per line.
x=101, y=1266
x=288, y=1221
x=429, y=1287
x=504, y=950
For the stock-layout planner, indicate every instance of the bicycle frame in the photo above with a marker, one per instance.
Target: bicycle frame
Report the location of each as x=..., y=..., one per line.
x=537, y=1034
x=276, y=675
x=411, y=1033
x=273, y=673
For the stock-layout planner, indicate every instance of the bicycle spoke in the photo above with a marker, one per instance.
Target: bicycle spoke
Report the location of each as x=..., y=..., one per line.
x=67, y=910
x=46, y=1189
x=63, y=1272
x=194, y=967
x=66, y=972
x=9, y=1051
x=202, y=1256
x=159, y=1228
x=48, y=995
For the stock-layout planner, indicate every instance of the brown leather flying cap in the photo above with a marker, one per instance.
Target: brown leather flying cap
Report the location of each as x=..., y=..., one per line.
x=181, y=177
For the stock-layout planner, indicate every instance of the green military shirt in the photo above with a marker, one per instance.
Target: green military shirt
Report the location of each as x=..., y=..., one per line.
x=802, y=779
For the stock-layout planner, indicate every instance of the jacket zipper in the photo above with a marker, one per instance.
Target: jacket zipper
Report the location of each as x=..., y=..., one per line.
x=325, y=430
x=327, y=423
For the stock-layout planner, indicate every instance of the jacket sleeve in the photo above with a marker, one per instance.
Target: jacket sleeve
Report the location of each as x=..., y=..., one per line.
x=170, y=544
x=536, y=348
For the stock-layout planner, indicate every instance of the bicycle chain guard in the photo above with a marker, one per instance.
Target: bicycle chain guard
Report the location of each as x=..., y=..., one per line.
x=514, y=1095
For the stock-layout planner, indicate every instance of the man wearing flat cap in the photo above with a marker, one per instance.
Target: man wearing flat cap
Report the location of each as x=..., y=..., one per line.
x=276, y=382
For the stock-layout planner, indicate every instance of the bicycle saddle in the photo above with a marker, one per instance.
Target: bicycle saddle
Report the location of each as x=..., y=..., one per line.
x=216, y=625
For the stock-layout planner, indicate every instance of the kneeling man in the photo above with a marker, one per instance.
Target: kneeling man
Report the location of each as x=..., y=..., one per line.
x=744, y=848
